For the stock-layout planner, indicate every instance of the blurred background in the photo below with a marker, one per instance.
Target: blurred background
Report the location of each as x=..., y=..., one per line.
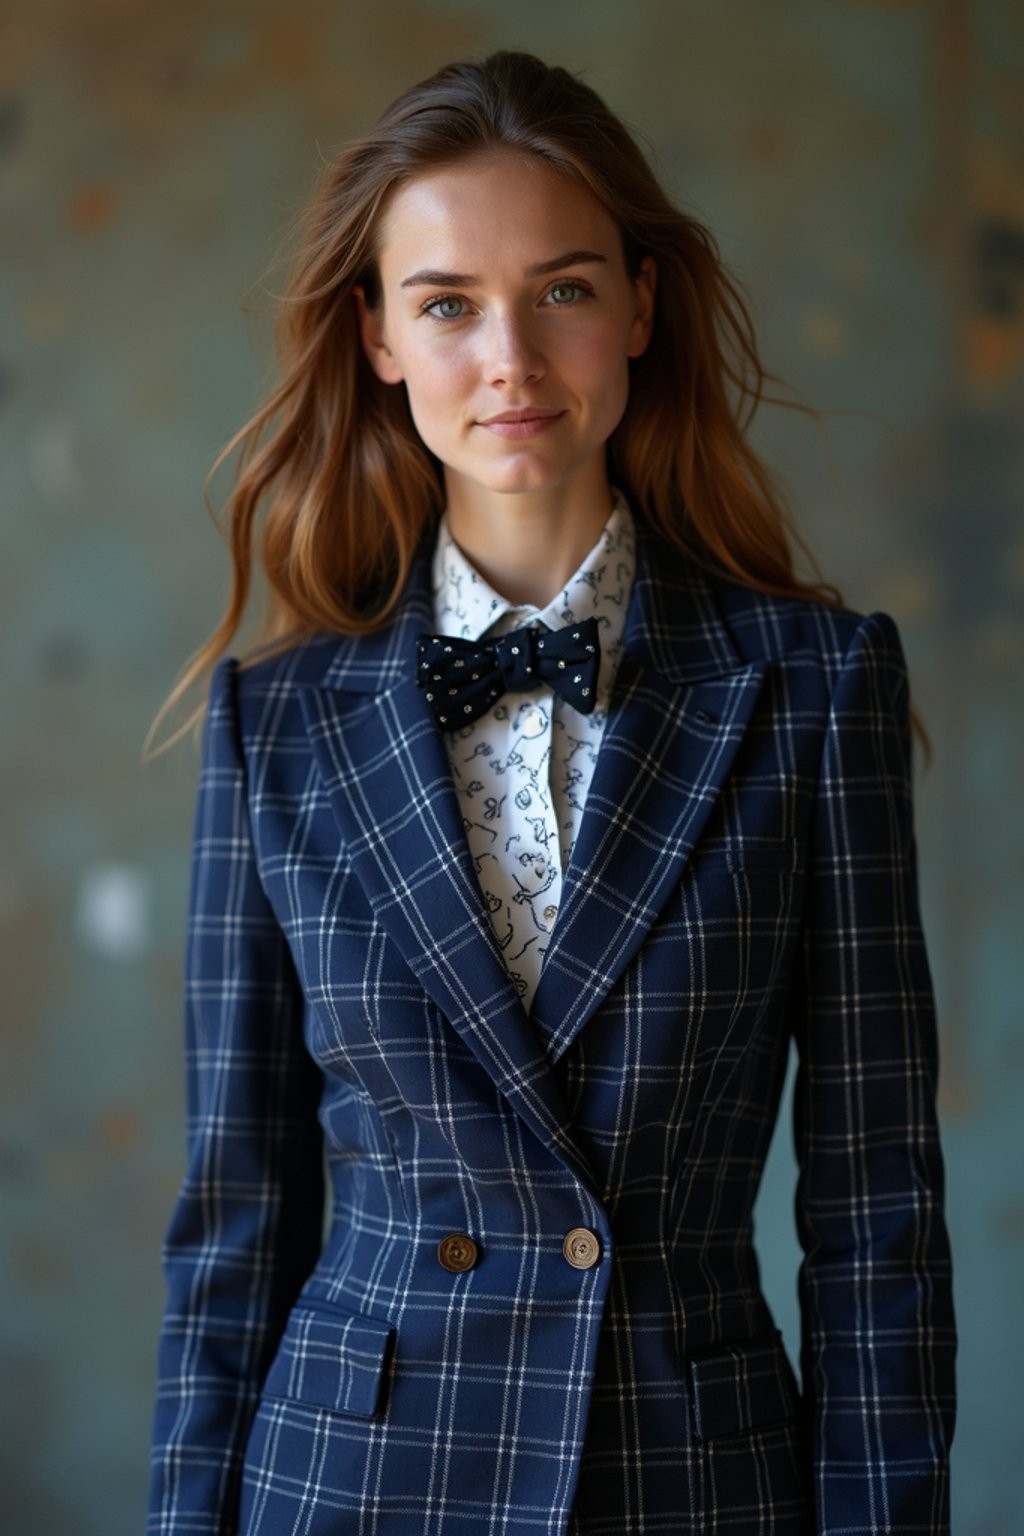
x=862, y=167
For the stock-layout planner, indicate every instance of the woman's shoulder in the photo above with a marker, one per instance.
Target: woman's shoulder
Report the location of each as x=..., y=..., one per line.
x=291, y=664
x=259, y=688
x=704, y=610
x=779, y=627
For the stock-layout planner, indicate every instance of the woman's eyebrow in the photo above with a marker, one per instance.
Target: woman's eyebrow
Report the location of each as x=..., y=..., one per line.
x=430, y=276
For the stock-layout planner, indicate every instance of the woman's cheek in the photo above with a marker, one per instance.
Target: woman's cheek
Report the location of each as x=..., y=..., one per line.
x=441, y=401
x=608, y=403
x=442, y=379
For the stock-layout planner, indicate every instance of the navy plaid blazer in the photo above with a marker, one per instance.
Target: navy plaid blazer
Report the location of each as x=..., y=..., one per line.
x=363, y=1084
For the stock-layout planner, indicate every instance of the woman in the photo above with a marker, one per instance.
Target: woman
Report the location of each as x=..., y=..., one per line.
x=555, y=804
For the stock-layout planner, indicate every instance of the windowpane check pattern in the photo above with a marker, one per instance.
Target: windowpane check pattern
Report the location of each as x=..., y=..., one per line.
x=536, y=1308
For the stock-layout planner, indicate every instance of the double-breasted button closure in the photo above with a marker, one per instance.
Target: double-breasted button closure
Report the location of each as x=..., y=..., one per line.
x=457, y=1251
x=581, y=1247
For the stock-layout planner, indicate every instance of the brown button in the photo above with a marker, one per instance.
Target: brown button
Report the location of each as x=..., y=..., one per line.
x=457, y=1251
x=581, y=1247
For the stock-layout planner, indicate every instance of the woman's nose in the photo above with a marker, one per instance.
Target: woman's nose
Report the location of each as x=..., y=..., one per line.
x=512, y=351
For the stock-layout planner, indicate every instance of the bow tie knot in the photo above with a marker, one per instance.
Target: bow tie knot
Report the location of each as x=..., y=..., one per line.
x=463, y=678
x=516, y=655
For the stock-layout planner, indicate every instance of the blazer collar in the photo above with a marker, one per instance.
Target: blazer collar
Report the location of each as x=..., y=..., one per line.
x=673, y=623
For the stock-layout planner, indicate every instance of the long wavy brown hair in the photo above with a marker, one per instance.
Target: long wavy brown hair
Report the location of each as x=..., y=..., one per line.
x=333, y=461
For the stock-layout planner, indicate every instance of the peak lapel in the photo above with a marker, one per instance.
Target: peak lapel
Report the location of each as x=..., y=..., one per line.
x=683, y=698
x=385, y=769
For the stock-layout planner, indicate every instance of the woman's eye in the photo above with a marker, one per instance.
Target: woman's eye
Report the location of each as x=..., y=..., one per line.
x=564, y=295
x=446, y=298
x=570, y=284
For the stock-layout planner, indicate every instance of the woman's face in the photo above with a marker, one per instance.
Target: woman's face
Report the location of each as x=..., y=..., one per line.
x=504, y=288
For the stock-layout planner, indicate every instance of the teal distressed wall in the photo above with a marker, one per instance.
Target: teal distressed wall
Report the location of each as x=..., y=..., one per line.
x=862, y=165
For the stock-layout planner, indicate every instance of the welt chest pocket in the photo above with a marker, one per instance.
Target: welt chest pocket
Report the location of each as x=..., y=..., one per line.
x=777, y=855
x=751, y=870
x=741, y=887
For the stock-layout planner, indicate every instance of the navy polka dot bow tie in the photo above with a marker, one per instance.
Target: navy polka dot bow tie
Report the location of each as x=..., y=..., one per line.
x=464, y=677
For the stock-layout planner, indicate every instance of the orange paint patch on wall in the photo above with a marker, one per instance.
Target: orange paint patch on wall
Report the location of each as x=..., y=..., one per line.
x=91, y=208
x=44, y=317
x=765, y=143
x=957, y=1096
x=825, y=331
x=118, y=1130
x=993, y=350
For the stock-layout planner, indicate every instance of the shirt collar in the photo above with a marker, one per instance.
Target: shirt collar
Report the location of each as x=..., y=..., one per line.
x=465, y=604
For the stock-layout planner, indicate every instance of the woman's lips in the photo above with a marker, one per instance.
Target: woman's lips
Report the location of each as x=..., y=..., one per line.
x=528, y=426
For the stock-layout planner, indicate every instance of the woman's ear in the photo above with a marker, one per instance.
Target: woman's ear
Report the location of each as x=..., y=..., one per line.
x=643, y=320
x=374, y=339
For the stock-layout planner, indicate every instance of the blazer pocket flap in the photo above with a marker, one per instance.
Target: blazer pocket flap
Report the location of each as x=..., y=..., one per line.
x=331, y=1359
x=741, y=1387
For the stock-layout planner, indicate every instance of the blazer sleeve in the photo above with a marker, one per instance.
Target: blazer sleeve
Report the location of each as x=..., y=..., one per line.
x=246, y=1226
x=878, y=1338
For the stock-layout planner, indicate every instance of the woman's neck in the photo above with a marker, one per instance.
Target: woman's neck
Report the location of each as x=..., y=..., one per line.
x=528, y=545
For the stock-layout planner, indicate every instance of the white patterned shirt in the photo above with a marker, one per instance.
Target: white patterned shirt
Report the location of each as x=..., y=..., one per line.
x=522, y=769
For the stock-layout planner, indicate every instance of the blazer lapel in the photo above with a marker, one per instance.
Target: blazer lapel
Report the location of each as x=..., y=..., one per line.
x=385, y=769
x=667, y=749
x=682, y=700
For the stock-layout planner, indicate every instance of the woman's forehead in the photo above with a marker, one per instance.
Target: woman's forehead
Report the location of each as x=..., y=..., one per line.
x=503, y=206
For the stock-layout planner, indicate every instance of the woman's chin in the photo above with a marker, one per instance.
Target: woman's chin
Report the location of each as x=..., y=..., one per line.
x=521, y=475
